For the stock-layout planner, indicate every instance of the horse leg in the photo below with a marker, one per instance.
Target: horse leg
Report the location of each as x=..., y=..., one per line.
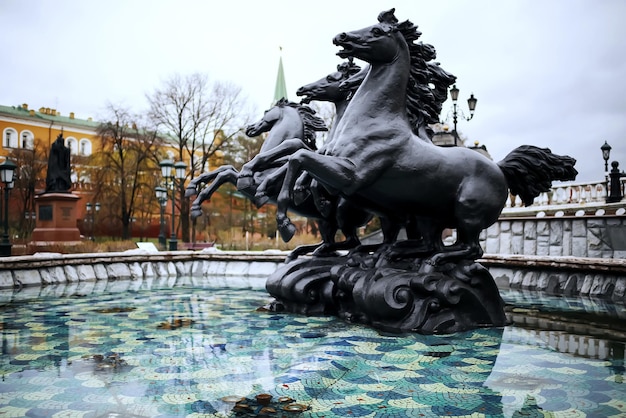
x=302, y=188
x=473, y=212
x=339, y=173
x=263, y=191
x=349, y=219
x=195, y=210
x=423, y=239
x=192, y=187
x=268, y=159
x=469, y=249
x=466, y=247
x=324, y=249
x=227, y=175
x=390, y=232
x=324, y=202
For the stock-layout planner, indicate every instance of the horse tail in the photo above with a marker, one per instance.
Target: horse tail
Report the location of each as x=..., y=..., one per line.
x=530, y=171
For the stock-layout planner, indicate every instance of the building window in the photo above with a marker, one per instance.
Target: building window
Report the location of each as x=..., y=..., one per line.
x=28, y=141
x=85, y=147
x=72, y=145
x=9, y=138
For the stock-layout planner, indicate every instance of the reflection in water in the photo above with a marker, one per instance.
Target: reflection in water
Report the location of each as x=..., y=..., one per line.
x=173, y=350
x=585, y=327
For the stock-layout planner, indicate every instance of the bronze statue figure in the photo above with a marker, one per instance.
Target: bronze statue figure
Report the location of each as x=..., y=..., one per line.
x=58, y=177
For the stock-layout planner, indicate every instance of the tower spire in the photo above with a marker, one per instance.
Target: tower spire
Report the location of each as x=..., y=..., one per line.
x=280, y=91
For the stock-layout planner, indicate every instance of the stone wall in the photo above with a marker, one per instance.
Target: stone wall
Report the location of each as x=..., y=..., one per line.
x=47, y=268
x=598, y=277
x=588, y=236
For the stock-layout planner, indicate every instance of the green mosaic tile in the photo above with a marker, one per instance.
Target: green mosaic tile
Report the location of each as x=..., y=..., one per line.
x=184, y=352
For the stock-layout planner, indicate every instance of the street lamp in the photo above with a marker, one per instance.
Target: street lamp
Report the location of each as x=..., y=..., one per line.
x=606, y=154
x=91, y=217
x=161, y=195
x=7, y=169
x=471, y=103
x=171, y=172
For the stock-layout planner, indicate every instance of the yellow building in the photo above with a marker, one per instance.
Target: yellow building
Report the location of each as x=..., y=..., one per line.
x=29, y=129
x=21, y=127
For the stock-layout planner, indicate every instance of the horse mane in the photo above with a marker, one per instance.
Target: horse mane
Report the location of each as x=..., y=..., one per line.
x=352, y=75
x=310, y=121
x=530, y=171
x=428, y=85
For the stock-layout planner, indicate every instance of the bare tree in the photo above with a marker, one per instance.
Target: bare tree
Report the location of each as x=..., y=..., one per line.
x=31, y=165
x=126, y=165
x=200, y=117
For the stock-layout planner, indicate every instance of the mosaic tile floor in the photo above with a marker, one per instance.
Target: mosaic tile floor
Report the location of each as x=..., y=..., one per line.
x=193, y=352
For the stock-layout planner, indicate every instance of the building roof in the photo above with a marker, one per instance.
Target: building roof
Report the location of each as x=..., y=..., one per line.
x=47, y=114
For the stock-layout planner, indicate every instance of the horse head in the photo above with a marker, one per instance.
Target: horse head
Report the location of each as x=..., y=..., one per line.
x=329, y=88
x=270, y=117
x=287, y=120
x=375, y=43
x=389, y=39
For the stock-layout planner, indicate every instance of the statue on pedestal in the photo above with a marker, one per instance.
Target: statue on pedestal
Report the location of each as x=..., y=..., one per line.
x=58, y=178
x=57, y=207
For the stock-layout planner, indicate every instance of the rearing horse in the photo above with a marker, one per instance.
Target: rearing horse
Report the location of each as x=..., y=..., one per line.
x=326, y=89
x=377, y=161
x=285, y=120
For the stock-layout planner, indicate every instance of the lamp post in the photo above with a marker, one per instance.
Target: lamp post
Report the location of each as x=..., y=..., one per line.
x=171, y=172
x=7, y=169
x=606, y=154
x=471, y=103
x=91, y=217
x=161, y=195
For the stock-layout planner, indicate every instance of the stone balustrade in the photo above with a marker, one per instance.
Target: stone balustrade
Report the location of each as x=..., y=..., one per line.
x=572, y=219
x=582, y=198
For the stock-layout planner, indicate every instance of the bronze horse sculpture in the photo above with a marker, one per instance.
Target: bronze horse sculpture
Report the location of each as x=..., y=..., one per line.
x=380, y=157
x=285, y=120
x=326, y=89
x=377, y=161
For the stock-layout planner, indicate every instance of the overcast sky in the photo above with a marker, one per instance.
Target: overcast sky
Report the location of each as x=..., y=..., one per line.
x=548, y=73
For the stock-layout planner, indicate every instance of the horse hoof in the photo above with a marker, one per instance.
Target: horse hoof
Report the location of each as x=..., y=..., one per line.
x=244, y=182
x=260, y=199
x=190, y=191
x=287, y=230
x=291, y=257
x=195, y=213
x=434, y=260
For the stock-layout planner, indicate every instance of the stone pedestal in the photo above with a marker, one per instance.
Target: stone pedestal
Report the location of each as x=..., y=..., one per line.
x=56, y=219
